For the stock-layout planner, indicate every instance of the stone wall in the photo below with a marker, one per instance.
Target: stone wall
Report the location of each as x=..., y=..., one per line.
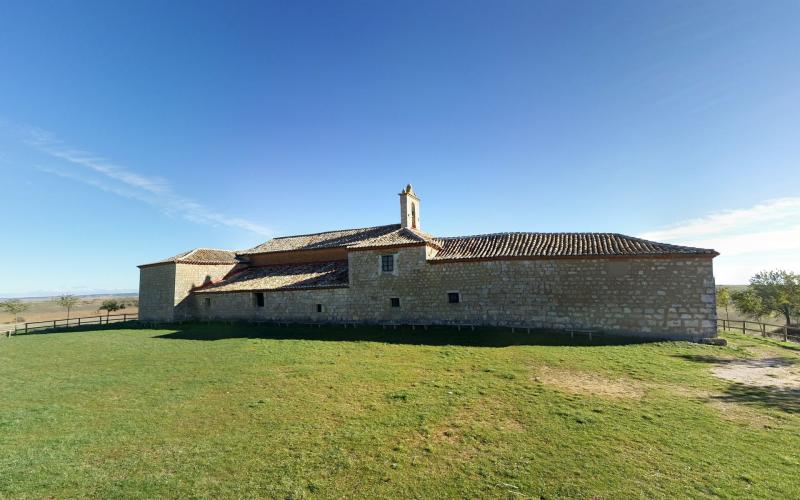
x=188, y=276
x=164, y=288
x=157, y=293
x=661, y=297
x=296, y=305
x=657, y=297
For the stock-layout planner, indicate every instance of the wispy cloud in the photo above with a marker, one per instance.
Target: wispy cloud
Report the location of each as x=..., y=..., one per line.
x=110, y=177
x=765, y=235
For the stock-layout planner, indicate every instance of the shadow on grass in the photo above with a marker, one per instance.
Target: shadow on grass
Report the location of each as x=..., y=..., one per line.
x=433, y=336
x=715, y=360
x=786, y=399
x=789, y=347
x=780, y=398
x=703, y=358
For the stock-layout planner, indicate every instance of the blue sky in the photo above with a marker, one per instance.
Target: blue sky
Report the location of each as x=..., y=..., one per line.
x=130, y=132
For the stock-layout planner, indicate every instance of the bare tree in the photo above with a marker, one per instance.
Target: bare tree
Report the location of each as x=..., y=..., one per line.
x=15, y=307
x=68, y=301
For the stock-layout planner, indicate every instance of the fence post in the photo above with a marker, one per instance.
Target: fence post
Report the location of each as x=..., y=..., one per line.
x=26, y=328
x=763, y=330
x=744, y=327
x=785, y=333
x=79, y=321
x=124, y=317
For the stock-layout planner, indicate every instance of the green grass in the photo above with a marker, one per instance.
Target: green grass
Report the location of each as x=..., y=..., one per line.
x=246, y=411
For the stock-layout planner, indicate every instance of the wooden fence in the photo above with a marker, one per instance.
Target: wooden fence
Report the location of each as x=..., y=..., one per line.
x=783, y=332
x=59, y=324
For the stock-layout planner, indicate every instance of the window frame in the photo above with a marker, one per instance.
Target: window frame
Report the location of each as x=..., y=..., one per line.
x=320, y=308
x=450, y=295
x=394, y=302
x=259, y=299
x=390, y=259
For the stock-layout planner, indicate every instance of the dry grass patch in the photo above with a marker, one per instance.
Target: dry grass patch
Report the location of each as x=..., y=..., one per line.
x=738, y=413
x=585, y=383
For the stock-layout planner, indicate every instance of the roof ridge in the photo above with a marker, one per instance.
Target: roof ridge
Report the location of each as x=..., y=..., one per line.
x=656, y=242
x=214, y=249
x=505, y=233
x=188, y=254
x=332, y=231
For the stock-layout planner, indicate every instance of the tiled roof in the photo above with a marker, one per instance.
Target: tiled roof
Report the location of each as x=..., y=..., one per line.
x=283, y=277
x=502, y=245
x=330, y=239
x=199, y=256
x=398, y=237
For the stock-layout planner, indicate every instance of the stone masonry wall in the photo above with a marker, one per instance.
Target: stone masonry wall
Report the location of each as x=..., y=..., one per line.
x=157, y=293
x=644, y=296
x=657, y=297
x=164, y=288
x=188, y=276
x=297, y=305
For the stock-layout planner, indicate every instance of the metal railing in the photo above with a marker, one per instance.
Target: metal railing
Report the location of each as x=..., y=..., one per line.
x=60, y=324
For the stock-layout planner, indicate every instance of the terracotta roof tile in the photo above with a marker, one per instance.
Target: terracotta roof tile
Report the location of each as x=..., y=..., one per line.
x=283, y=277
x=399, y=237
x=199, y=256
x=329, y=239
x=500, y=245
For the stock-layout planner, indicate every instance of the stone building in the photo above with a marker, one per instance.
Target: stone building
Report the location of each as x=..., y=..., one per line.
x=399, y=274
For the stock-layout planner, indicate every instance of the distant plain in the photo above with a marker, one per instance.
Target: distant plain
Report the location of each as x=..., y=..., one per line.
x=46, y=308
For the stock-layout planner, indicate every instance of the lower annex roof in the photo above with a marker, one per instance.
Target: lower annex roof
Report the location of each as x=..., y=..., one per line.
x=282, y=277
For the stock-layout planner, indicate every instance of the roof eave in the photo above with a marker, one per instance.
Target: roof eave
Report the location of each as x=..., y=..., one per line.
x=709, y=255
x=258, y=290
x=189, y=263
x=385, y=247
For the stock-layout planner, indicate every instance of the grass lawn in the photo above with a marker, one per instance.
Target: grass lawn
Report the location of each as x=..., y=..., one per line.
x=256, y=411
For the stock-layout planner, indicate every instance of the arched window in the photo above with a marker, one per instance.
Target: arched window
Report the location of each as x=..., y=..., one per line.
x=413, y=216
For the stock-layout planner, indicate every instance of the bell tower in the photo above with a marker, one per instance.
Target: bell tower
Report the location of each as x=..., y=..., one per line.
x=409, y=208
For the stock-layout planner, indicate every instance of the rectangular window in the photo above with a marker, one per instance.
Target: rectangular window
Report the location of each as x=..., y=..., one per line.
x=259, y=299
x=387, y=263
x=395, y=301
x=207, y=302
x=319, y=308
x=453, y=297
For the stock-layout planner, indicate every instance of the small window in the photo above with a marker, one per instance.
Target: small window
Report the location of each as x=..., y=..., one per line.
x=207, y=302
x=387, y=263
x=395, y=301
x=319, y=308
x=453, y=297
x=259, y=299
